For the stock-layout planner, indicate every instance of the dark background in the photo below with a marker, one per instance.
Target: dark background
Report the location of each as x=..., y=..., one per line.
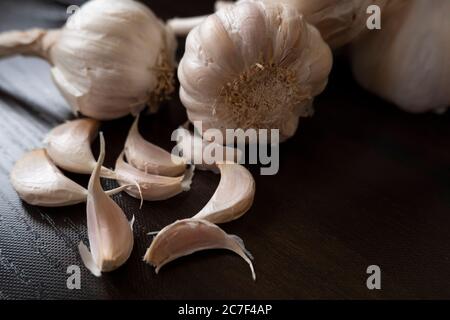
x=361, y=183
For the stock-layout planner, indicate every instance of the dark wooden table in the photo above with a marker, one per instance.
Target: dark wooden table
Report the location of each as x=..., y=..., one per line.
x=361, y=184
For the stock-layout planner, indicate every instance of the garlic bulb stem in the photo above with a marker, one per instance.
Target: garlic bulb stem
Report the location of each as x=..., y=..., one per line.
x=182, y=26
x=34, y=42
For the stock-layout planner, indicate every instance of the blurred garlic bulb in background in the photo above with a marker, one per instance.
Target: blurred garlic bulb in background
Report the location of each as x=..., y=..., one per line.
x=408, y=61
x=339, y=21
x=253, y=65
x=112, y=58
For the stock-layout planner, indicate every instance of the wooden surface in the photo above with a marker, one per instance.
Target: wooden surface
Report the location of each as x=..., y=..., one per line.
x=361, y=183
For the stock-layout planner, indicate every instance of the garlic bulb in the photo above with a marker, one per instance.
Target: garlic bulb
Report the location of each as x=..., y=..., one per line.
x=152, y=187
x=407, y=61
x=39, y=182
x=339, y=21
x=150, y=158
x=110, y=233
x=185, y=237
x=112, y=58
x=69, y=147
x=233, y=197
x=253, y=65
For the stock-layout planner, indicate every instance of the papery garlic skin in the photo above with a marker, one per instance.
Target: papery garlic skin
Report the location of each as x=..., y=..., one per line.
x=152, y=187
x=112, y=58
x=110, y=233
x=39, y=182
x=232, y=198
x=253, y=65
x=339, y=21
x=150, y=158
x=185, y=237
x=69, y=146
x=407, y=61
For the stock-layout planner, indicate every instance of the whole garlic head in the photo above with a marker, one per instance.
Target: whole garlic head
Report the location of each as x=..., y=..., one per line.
x=407, y=61
x=339, y=21
x=253, y=65
x=111, y=58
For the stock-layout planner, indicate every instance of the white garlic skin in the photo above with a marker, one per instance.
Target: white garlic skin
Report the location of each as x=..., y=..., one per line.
x=339, y=21
x=106, y=57
x=244, y=40
x=407, y=62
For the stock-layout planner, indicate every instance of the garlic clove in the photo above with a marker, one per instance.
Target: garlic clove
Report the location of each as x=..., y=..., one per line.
x=233, y=197
x=196, y=151
x=39, y=182
x=110, y=233
x=152, y=187
x=185, y=237
x=150, y=158
x=69, y=147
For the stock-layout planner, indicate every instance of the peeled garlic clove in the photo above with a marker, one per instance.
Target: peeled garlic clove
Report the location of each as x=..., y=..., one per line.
x=150, y=158
x=110, y=233
x=253, y=65
x=407, y=61
x=196, y=151
x=233, y=197
x=39, y=182
x=185, y=237
x=111, y=58
x=152, y=187
x=69, y=147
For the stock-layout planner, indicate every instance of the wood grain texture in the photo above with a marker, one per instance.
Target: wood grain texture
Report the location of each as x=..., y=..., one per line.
x=361, y=183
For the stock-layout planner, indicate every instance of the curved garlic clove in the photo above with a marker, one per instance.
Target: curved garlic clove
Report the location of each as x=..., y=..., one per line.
x=185, y=237
x=69, y=147
x=233, y=197
x=196, y=151
x=112, y=58
x=110, y=233
x=150, y=158
x=407, y=61
x=253, y=65
x=152, y=187
x=39, y=182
